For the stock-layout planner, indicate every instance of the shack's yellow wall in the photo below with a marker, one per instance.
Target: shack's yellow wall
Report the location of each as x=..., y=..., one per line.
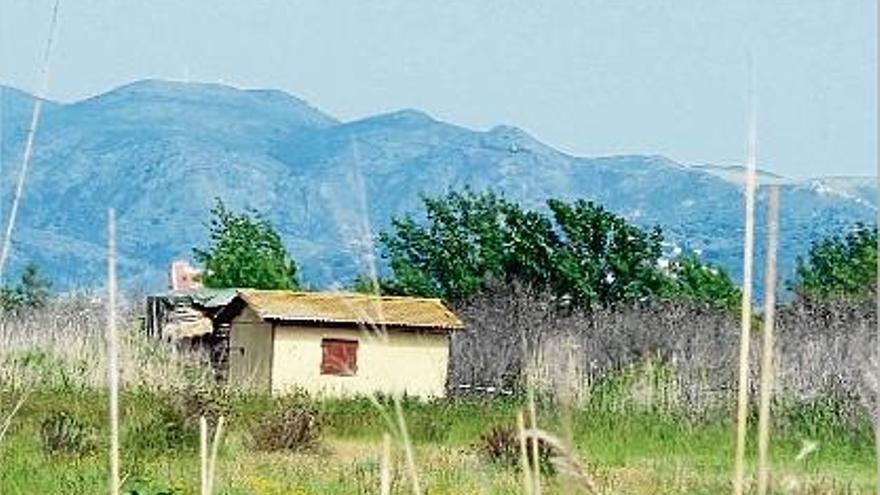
x=250, y=352
x=411, y=362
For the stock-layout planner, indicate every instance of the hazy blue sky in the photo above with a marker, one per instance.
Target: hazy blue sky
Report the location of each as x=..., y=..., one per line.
x=590, y=77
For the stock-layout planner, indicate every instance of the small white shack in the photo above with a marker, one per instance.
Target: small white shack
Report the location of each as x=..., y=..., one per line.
x=338, y=343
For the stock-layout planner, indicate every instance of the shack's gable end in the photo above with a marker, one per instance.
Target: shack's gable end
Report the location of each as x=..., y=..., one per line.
x=246, y=314
x=404, y=360
x=250, y=352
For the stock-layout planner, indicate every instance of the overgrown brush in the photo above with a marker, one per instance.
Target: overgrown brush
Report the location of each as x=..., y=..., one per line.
x=293, y=424
x=823, y=349
x=63, y=433
x=206, y=398
x=167, y=425
x=502, y=445
x=62, y=346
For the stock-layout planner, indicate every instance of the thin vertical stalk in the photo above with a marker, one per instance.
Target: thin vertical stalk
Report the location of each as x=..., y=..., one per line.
x=877, y=297
x=385, y=466
x=215, y=450
x=112, y=353
x=407, y=447
x=746, y=310
x=533, y=420
x=767, y=370
x=8, y=421
x=203, y=454
x=524, y=455
x=29, y=142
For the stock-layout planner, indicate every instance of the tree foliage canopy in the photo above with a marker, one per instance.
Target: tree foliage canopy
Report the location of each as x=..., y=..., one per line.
x=245, y=251
x=577, y=250
x=839, y=266
x=33, y=290
x=689, y=278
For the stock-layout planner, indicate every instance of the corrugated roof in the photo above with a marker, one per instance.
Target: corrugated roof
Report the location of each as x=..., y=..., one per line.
x=347, y=307
x=203, y=296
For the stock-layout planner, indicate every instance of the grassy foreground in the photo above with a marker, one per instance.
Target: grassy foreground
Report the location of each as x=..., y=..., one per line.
x=626, y=451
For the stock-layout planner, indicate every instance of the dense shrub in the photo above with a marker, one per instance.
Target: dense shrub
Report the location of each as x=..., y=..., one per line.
x=143, y=486
x=168, y=427
x=501, y=445
x=292, y=424
x=205, y=398
x=62, y=433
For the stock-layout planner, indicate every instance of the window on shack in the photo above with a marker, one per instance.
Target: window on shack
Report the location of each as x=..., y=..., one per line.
x=339, y=357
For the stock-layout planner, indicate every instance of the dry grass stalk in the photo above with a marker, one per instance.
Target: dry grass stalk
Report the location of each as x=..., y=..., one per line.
x=877, y=307
x=746, y=310
x=524, y=455
x=767, y=371
x=8, y=421
x=215, y=450
x=29, y=140
x=877, y=367
x=533, y=422
x=412, y=470
x=567, y=461
x=385, y=466
x=387, y=418
x=112, y=354
x=19, y=189
x=203, y=454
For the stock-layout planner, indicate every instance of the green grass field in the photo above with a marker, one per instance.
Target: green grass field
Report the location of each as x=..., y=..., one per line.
x=626, y=451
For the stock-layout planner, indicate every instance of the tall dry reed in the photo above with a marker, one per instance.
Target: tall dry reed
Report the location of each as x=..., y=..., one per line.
x=63, y=345
x=767, y=371
x=821, y=350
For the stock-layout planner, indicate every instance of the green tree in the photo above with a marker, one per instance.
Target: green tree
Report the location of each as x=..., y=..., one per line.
x=690, y=278
x=839, y=266
x=602, y=258
x=580, y=251
x=450, y=255
x=367, y=284
x=245, y=251
x=33, y=290
x=10, y=300
x=467, y=239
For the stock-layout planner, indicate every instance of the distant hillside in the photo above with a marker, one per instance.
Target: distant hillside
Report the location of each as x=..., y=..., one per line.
x=159, y=152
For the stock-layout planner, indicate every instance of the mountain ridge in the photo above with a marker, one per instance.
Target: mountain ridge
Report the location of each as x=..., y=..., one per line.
x=160, y=152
